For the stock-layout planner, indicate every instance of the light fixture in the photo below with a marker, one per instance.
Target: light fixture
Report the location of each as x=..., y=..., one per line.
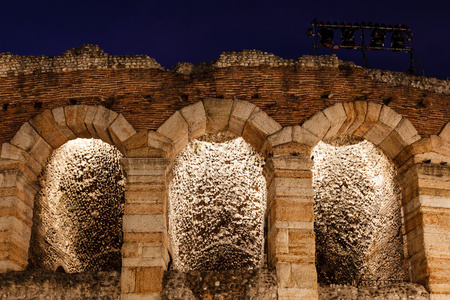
x=348, y=30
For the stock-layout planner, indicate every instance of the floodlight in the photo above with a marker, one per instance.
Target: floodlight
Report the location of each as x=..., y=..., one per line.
x=397, y=41
x=348, y=37
x=377, y=38
x=327, y=35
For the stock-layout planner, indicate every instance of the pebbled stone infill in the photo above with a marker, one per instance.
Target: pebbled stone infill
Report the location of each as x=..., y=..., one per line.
x=40, y=285
x=397, y=291
x=257, y=284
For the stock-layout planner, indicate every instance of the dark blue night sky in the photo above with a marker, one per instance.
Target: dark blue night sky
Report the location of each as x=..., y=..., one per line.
x=196, y=31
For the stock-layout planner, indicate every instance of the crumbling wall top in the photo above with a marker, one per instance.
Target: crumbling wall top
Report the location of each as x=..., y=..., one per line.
x=92, y=57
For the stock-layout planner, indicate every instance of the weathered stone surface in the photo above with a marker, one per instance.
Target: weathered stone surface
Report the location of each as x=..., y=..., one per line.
x=60, y=119
x=337, y=116
x=371, y=117
x=318, y=125
x=387, y=121
x=102, y=120
x=75, y=116
x=120, y=131
x=144, y=223
x=195, y=116
x=177, y=129
x=258, y=127
x=37, y=284
x=218, y=113
x=239, y=115
x=360, y=115
x=91, y=112
x=46, y=126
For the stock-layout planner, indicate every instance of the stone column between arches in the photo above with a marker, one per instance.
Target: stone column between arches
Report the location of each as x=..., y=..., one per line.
x=17, y=190
x=426, y=206
x=145, y=254
x=291, y=240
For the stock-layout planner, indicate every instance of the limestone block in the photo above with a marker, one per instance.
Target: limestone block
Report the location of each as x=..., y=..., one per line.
x=41, y=151
x=195, y=116
x=143, y=208
x=155, y=195
x=144, y=223
x=393, y=144
x=258, y=127
x=337, y=116
x=218, y=113
x=75, y=115
x=120, y=130
x=46, y=126
x=148, y=238
x=132, y=250
x=292, y=186
x=9, y=151
x=8, y=266
x=145, y=166
x=317, y=125
x=360, y=109
x=102, y=120
x=293, y=225
x=300, y=238
x=350, y=112
x=154, y=251
x=292, y=163
x=371, y=118
x=304, y=276
x=445, y=133
x=159, y=141
x=149, y=280
x=283, y=274
x=297, y=294
x=407, y=131
x=303, y=136
x=128, y=280
x=26, y=138
x=387, y=121
x=148, y=143
x=239, y=115
x=153, y=296
x=89, y=121
x=60, y=119
x=286, y=210
x=279, y=240
x=280, y=137
x=177, y=129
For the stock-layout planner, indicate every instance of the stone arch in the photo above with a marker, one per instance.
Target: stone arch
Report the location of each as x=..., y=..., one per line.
x=241, y=118
x=25, y=156
x=36, y=139
x=423, y=173
x=374, y=122
x=149, y=166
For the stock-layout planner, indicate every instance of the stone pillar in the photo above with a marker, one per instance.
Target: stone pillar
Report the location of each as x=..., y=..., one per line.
x=426, y=206
x=145, y=253
x=17, y=190
x=291, y=240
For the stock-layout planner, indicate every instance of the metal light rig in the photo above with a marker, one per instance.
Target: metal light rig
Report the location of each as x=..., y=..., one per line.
x=377, y=37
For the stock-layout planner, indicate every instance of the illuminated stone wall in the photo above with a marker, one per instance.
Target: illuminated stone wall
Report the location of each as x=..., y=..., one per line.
x=357, y=214
x=78, y=211
x=217, y=206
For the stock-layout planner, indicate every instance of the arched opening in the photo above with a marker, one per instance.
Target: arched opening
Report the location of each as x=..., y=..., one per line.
x=77, y=219
x=217, y=205
x=357, y=207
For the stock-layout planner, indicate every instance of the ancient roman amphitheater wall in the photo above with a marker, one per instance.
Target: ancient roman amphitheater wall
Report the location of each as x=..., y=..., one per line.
x=280, y=110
